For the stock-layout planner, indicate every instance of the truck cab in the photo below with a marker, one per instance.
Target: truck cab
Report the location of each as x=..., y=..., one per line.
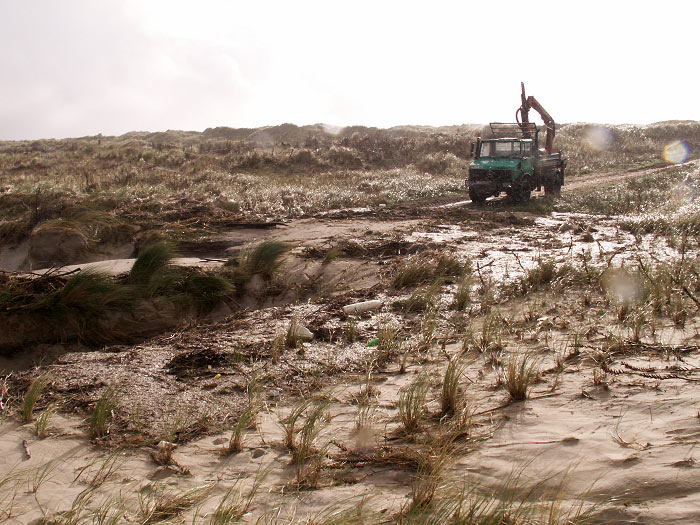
x=501, y=165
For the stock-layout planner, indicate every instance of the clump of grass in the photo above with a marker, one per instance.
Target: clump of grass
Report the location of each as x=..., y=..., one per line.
x=512, y=502
x=449, y=265
x=81, y=306
x=175, y=425
x=103, y=411
x=388, y=334
x=207, y=290
x=289, y=424
x=110, y=512
x=520, y=373
x=233, y=505
x=412, y=273
x=411, y=404
x=462, y=295
x=245, y=421
x=108, y=467
x=489, y=339
x=451, y=398
x=427, y=328
x=422, y=270
x=428, y=478
x=157, y=504
x=367, y=391
x=33, y=393
x=300, y=439
x=277, y=347
x=153, y=260
x=314, y=423
x=247, y=417
x=544, y=272
x=42, y=422
x=78, y=512
x=262, y=258
x=422, y=298
x=637, y=321
x=364, y=417
x=332, y=253
x=350, y=329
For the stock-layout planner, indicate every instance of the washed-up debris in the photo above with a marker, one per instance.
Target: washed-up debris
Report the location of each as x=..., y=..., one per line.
x=364, y=306
x=299, y=331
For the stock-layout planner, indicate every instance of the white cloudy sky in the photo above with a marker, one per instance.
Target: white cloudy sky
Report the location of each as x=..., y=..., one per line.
x=81, y=67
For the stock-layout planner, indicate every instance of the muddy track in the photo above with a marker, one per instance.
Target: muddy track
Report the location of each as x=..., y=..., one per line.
x=589, y=180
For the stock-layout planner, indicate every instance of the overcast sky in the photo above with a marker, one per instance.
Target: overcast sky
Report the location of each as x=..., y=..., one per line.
x=81, y=67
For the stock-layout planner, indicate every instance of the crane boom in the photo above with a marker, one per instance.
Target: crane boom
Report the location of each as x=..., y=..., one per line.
x=522, y=117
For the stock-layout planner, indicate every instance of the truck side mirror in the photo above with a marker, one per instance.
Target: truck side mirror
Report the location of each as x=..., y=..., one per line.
x=471, y=151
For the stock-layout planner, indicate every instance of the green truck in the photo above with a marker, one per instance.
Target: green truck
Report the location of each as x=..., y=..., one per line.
x=511, y=160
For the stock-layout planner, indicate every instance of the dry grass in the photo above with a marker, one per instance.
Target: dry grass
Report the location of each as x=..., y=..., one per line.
x=411, y=404
x=248, y=417
x=520, y=373
x=422, y=299
x=451, y=397
x=158, y=504
x=423, y=269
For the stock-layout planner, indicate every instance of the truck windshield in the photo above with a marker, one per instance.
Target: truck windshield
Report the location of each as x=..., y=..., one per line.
x=500, y=148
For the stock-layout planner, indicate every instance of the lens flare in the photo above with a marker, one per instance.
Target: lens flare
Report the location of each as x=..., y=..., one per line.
x=676, y=152
x=597, y=138
x=686, y=191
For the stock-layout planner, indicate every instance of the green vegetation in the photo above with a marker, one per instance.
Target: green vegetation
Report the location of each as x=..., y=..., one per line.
x=262, y=258
x=42, y=422
x=451, y=398
x=33, y=393
x=153, y=261
x=95, y=308
x=102, y=413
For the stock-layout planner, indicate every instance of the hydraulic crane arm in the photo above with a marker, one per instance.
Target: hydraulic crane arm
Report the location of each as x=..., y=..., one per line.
x=521, y=115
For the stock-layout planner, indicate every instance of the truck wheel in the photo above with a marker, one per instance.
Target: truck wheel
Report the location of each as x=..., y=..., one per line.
x=553, y=188
x=476, y=197
x=520, y=194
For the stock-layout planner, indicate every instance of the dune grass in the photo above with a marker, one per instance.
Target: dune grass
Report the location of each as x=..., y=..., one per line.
x=41, y=424
x=262, y=258
x=154, y=260
x=520, y=373
x=95, y=308
x=102, y=412
x=411, y=404
x=451, y=397
x=157, y=504
x=33, y=393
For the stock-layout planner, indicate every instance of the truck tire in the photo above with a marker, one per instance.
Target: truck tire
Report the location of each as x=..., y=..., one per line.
x=520, y=194
x=521, y=191
x=476, y=197
x=553, y=188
